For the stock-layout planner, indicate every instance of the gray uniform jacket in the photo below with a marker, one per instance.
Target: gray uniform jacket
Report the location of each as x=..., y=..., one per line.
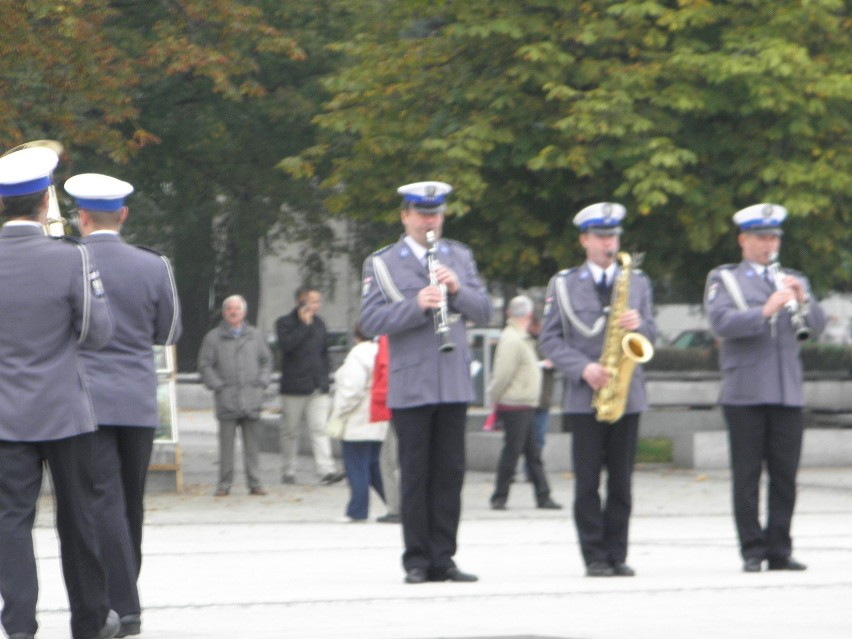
x=236, y=369
x=759, y=358
x=573, y=330
x=144, y=303
x=53, y=304
x=419, y=374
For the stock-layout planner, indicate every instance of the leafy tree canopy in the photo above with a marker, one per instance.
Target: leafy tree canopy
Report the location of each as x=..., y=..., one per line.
x=684, y=111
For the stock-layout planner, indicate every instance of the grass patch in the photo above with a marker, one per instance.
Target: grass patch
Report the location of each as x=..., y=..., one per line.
x=654, y=450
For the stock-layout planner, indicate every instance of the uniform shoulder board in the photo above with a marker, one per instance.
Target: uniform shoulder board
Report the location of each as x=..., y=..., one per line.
x=150, y=250
x=455, y=243
x=566, y=271
x=384, y=249
x=726, y=267
x=66, y=238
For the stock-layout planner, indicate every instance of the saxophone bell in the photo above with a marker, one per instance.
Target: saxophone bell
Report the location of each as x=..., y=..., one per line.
x=622, y=351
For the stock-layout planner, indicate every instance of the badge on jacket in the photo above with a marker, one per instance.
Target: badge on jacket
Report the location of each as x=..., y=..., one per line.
x=96, y=283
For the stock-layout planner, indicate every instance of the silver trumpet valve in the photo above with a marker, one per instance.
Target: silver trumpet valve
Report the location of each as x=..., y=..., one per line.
x=797, y=314
x=440, y=314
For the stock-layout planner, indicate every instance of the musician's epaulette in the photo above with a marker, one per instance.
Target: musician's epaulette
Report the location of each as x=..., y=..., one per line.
x=68, y=238
x=566, y=271
x=726, y=267
x=384, y=249
x=150, y=250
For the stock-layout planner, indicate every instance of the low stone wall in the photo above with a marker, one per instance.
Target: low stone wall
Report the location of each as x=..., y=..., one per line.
x=683, y=409
x=709, y=450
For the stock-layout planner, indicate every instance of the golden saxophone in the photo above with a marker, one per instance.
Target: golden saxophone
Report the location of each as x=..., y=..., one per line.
x=622, y=350
x=55, y=223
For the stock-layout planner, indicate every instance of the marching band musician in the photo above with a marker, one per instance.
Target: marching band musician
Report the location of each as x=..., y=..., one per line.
x=428, y=389
x=762, y=392
x=53, y=306
x=123, y=380
x=572, y=337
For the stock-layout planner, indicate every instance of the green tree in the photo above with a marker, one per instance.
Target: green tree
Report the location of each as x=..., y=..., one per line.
x=192, y=101
x=684, y=111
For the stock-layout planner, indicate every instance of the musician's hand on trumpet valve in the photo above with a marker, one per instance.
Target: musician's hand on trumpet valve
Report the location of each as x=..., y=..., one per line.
x=429, y=297
x=432, y=296
x=793, y=290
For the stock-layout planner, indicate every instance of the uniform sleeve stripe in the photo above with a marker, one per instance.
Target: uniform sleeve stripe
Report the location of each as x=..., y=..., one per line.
x=385, y=281
x=175, y=301
x=87, y=300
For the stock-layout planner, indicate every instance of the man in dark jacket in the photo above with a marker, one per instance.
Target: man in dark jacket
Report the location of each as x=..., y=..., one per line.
x=303, y=341
x=235, y=363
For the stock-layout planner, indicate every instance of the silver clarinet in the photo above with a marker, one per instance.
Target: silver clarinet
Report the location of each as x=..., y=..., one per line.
x=440, y=314
x=797, y=314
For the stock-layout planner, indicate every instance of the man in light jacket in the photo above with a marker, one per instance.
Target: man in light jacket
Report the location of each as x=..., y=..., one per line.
x=515, y=390
x=235, y=363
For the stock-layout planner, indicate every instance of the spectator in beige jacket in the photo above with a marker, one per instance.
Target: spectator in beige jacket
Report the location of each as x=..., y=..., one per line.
x=515, y=389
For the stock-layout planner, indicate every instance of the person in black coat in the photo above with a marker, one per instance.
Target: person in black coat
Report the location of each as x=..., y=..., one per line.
x=304, y=386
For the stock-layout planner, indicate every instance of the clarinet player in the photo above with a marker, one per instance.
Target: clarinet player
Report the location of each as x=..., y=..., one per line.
x=429, y=387
x=761, y=316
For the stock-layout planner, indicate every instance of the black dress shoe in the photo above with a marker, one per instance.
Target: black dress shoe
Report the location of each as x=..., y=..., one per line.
x=111, y=626
x=130, y=625
x=752, y=564
x=498, y=504
x=331, y=478
x=788, y=563
x=623, y=570
x=549, y=504
x=21, y=635
x=599, y=569
x=454, y=574
x=389, y=519
x=416, y=576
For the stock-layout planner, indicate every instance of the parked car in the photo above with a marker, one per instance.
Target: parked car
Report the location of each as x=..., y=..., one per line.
x=694, y=338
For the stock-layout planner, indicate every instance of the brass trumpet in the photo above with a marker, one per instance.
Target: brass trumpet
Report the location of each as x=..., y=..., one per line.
x=440, y=314
x=55, y=223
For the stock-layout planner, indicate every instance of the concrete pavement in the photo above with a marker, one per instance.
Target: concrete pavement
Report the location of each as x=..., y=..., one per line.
x=281, y=566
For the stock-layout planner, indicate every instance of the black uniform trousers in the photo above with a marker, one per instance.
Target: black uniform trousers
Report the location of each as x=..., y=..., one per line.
x=121, y=467
x=21, y=472
x=603, y=530
x=431, y=464
x=519, y=436
x=770, y=434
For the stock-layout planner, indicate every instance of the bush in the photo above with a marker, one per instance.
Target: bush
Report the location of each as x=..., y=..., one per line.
x=815, y=357
x=827, y=357
x=667, y=358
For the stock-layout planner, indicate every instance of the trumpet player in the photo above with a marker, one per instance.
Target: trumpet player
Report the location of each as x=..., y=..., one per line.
x=753, y=312
x=578, y=309
x=123, y=381
x=54, y=307
x=429, y=386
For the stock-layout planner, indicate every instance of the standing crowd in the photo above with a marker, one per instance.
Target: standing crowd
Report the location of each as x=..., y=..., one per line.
x=82, y=317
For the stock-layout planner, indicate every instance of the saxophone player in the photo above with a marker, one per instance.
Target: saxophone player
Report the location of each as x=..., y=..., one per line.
x=577, y=313
x=761, y=393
